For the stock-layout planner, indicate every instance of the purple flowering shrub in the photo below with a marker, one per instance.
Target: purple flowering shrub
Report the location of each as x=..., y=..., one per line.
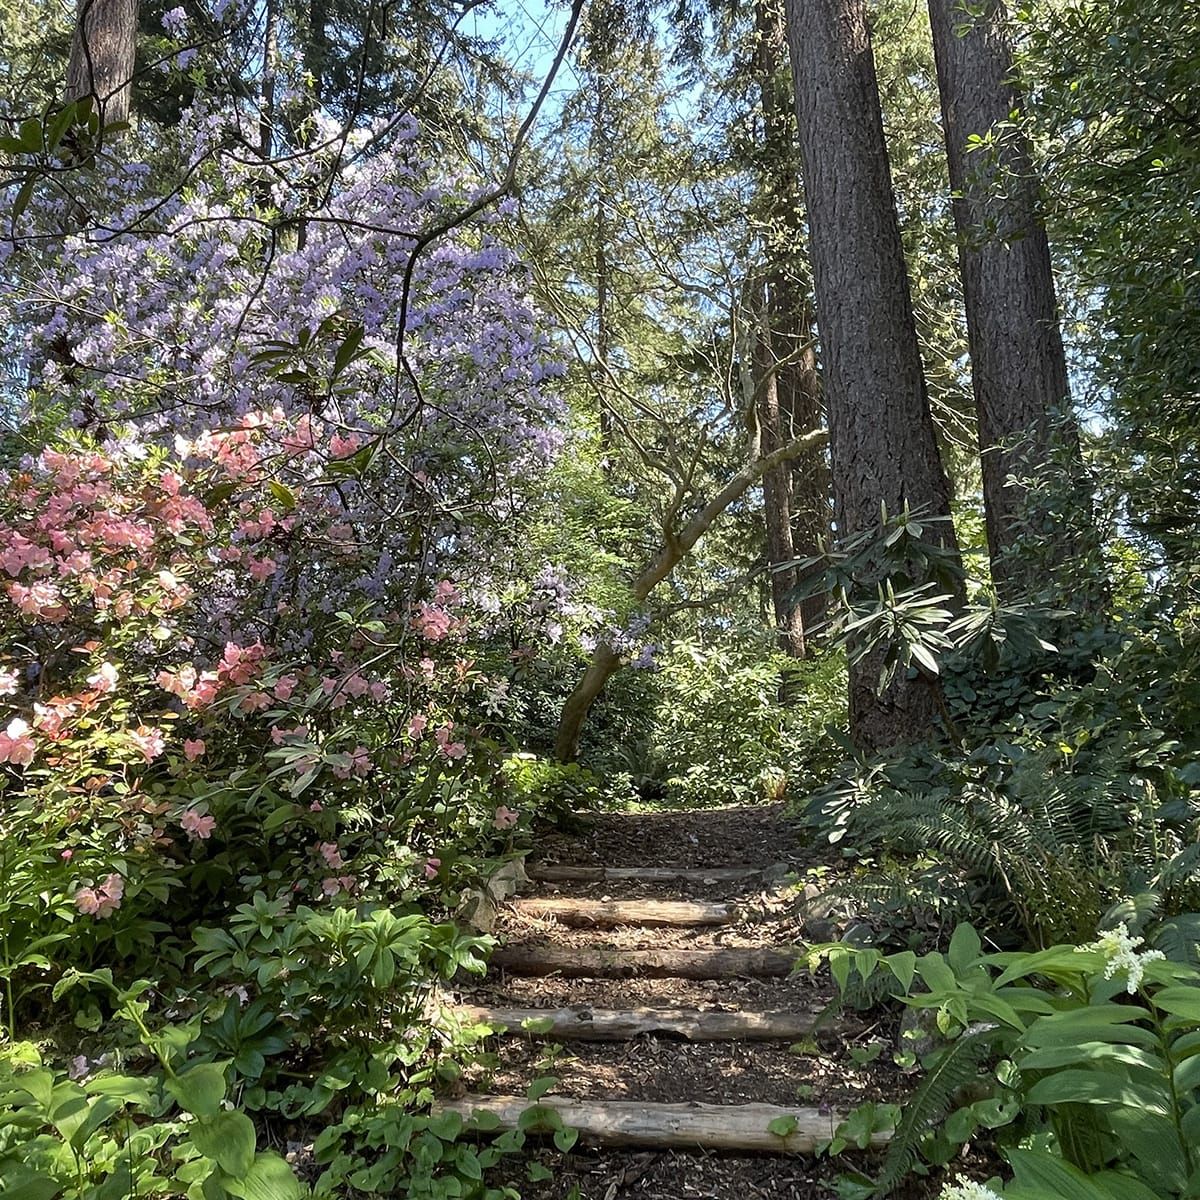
x=260, y=622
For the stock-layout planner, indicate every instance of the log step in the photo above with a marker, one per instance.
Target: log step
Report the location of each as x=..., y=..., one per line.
x=736, y=1127
x=591, y=963
x=570, y=874
x=617, y=1025
x=607, y=913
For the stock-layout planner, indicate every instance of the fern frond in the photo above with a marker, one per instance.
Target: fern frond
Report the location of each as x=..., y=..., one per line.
x=957, y=1066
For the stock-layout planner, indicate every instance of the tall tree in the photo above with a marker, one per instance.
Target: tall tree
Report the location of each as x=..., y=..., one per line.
x=882, y=444
x=1018, y=367
x=795, y=494
x=103, y=51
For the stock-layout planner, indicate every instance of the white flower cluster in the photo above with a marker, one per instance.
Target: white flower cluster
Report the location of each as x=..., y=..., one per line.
x=967, y=1190
x=1120, y=950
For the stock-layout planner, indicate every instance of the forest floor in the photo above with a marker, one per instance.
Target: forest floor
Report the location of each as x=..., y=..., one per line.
x=844, y=1060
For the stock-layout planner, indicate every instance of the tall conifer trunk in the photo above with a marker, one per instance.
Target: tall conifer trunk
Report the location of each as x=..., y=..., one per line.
x=1018, y=367
x=795, y=495
x=882, y=443
x=103, y=50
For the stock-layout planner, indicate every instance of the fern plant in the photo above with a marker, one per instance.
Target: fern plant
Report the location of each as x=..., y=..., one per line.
x=1044, y=847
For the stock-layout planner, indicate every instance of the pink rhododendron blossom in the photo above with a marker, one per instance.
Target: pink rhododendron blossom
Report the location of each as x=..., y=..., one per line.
x=343, y=447
x=197, y=827
x=331, y=854
x=8, y=682
x=239, y=664
x=263, y=568
x=359, y=764
x=102, y=900
x=49, y=721
x=505, y=818
x=41, y=599
x=284, y=687
x=193, y=748
x=446, y=592
x=432, y=867
x=16, y=745
x=433, y=624
x=254, y=702
x=417, y=725
x=149, y=741
x=179, y=683
x=104, y=679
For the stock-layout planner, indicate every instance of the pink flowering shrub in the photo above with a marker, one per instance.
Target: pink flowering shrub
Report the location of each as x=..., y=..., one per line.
x=171, y=721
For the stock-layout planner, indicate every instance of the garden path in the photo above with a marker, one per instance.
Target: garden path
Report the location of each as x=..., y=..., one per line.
x=650, y=975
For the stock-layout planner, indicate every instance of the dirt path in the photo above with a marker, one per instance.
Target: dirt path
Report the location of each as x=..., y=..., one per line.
x=817, y=1074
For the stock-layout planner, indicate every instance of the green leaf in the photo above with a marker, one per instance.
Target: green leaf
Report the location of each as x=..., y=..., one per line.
x=782, y=1126
x=1179, y=1001
x=347, y=350
x=1095, y=1087
x=19, y=1183
x=965, y=948
x=1038, y=1175
x=565, y=1138
x=228, y=1139
x=1096, y=1023
x=131, y=1088
x=283, y=494
x=539, y=1087
x=21, y=200
x=1051, y=1057
x=445, y=1126
x=200, y=1090
x=1119, y=1186
x=269, y=1178
x=30, y=134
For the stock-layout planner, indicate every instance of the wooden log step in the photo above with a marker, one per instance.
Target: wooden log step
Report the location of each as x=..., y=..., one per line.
x=593, y=963
x=570, y=874
x=734, y=1127
x=618, y=1025
x=607, y=913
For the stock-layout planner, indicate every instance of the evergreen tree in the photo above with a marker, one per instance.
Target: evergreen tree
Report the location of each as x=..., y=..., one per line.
x=883, y=449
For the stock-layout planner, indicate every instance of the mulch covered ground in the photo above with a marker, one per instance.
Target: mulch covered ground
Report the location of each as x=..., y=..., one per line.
x=846, y=1061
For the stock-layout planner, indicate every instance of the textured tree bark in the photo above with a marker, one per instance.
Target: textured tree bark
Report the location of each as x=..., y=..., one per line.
x=737, y=1127
x=571, y=910
x=882, y=443
x=589, y=962
x=102, y=57
x=795, y=495
x=1018, y=367
x=569, y=874
x=619, y=1025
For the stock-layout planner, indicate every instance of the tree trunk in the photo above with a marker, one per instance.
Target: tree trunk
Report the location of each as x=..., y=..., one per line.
x=778, y=497
x=592, y=962
x=883, y=447
x=622, y=1025
x=102, y=57
x=740, y=1128
x=796, y=494
x=1018, y=368
x=676, y=546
